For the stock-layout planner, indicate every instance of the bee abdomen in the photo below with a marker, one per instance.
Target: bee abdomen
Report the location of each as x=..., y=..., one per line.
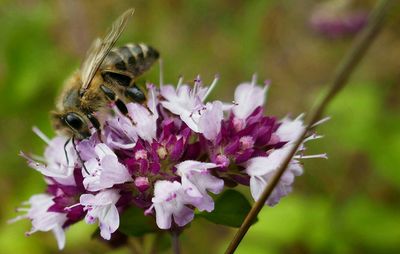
x=134, y=58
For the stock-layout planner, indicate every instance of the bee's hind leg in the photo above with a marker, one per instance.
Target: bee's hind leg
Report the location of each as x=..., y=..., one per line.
x=135, y=94
x=110, y=94
x=124, y=81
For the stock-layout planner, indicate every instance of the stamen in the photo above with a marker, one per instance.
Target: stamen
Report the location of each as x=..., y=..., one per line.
x=161, y=65
x=213, y=84
x=41, y=135
x=267, y=82
x=30, y=160
x=153, y=101
x=180, y=81
x=33, y=230
x=22, y=209
x=229, y=106
x=18, y=218
x=149, y=210
x=300, y=117
x=72, y=206
x=323, y=120
x=254, y=79
x=322, y=156
x=38, y=158
x=197, y=82
x=312, y=137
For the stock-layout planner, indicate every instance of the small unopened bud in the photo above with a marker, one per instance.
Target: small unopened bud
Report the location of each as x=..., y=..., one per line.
x=142, y=183
x=222, y=161
x=141, y=154
x=246, y=142
x=238, y=124
x=162, y=152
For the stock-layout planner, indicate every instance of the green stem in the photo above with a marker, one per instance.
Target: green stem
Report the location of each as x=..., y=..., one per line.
x=134, y=246
x=338, y=82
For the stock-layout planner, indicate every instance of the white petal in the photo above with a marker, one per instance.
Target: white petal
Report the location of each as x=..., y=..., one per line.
x=169, y=200
x=290, y=130
x=248, y=97
x=109, y=221
x=210, y=120
x=103, y=150
x=257, y=185
x=87, y=199
x=113, y=172
x=60, y=237
x=183, y=216
x=146, y=122
x=197, y=180
x=188, y=165
x=163, y=217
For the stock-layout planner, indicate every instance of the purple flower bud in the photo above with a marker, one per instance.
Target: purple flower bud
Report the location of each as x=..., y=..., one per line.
x=142, y=183
x=222, y=161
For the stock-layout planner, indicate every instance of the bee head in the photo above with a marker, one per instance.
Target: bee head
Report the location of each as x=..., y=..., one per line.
x=71, y=124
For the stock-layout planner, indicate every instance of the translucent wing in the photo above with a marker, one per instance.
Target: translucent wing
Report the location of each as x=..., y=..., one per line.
x=100, y=48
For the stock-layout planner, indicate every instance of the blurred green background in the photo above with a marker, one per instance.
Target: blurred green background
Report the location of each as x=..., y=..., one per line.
x=347, y=204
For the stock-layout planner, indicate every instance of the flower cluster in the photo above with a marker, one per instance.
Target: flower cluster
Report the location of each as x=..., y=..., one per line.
x=164, y=157
x=335, y=19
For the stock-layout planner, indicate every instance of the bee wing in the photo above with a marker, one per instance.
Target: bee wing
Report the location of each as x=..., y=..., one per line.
x=100, y=48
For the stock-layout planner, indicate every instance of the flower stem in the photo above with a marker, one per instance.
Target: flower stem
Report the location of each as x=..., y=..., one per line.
x=338, y=82
x=175, y=242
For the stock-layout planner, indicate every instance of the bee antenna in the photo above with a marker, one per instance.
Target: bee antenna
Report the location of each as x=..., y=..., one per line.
x=79, y=155
x=161, y=66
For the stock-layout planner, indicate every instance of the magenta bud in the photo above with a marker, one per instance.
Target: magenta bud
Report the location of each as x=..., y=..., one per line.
x=142, y=183
x=141, y=154
x=222, y=161
x=246, y=142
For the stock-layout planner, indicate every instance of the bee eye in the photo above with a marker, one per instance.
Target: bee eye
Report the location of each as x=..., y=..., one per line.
x=74, y=121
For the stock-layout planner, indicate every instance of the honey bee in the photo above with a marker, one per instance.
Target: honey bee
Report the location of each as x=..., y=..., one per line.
x=107, y=75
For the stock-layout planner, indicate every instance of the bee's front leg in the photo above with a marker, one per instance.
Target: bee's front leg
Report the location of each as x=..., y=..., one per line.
x=95, y=123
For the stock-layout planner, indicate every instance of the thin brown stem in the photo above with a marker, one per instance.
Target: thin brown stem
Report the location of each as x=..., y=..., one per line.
x=339, y=80
x=175, y=242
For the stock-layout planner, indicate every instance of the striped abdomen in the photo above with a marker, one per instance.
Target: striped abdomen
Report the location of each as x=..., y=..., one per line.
x=134, y=59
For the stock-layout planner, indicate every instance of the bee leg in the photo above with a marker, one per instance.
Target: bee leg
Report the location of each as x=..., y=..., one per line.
x=135, y=94
x=131, y=90
x=110, y=94
x=65, y=150
x=95, y=124
x=117, y=78
x=79, y=156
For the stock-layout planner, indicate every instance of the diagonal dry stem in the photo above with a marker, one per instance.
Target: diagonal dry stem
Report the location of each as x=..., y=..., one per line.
x=339, y=80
